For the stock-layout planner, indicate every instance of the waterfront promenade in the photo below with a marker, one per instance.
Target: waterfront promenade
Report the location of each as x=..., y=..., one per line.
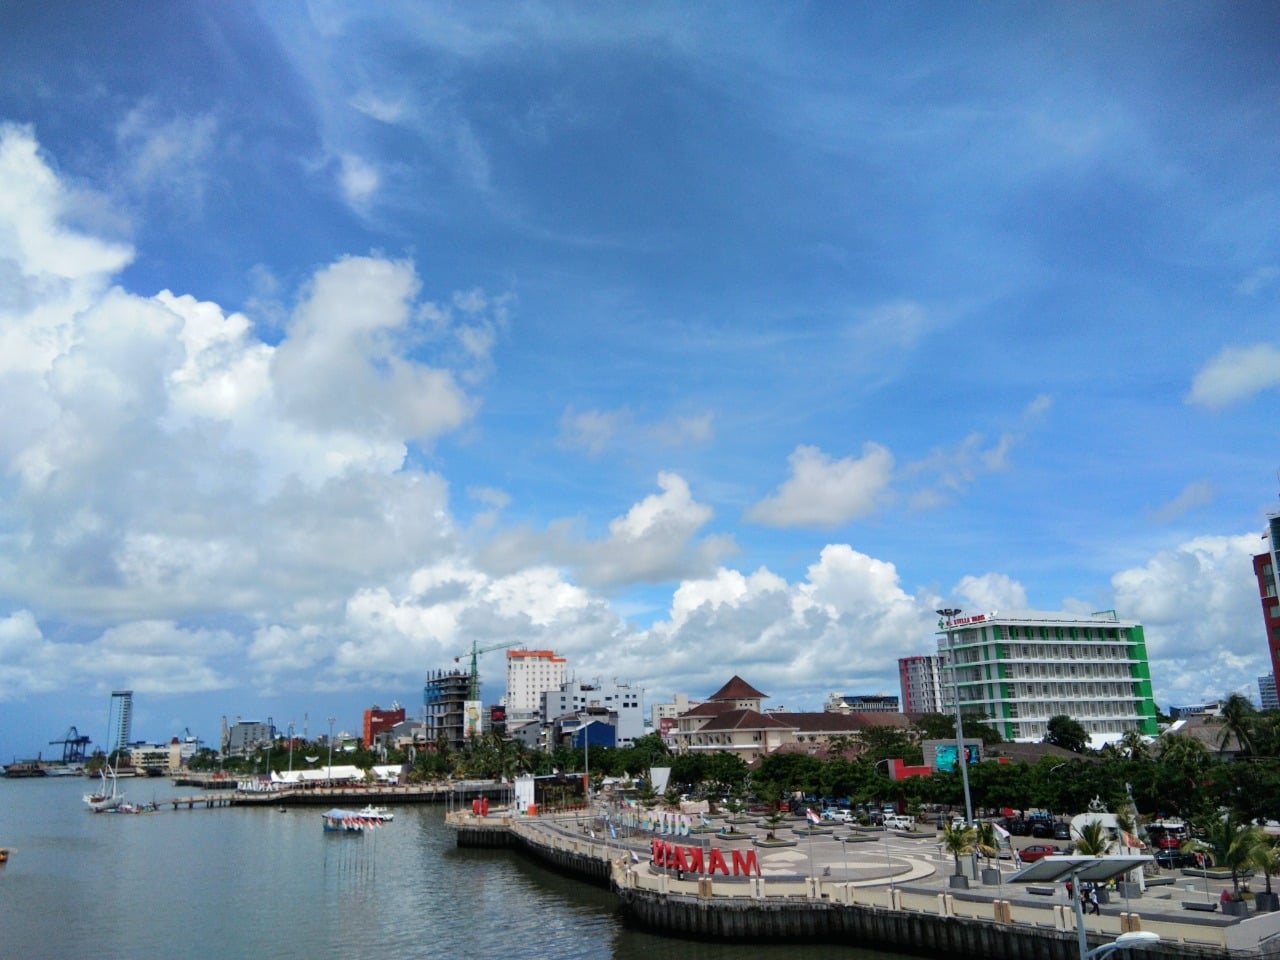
x=901, y=881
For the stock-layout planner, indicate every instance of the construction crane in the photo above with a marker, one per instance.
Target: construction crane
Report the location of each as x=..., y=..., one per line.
x=475, y=654
x=73, y=746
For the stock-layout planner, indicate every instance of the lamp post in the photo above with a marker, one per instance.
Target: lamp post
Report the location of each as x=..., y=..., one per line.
x=291, y=751
x=948, y=614
x=887, y=862
x=328, y=773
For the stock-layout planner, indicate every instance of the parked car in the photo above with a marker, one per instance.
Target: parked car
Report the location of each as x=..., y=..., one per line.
x=1019, y=827
x=1173, y=859
x=1062, y=830
x=1036, y=851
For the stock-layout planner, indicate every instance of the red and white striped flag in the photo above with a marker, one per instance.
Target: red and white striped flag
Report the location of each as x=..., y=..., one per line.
x=813, y=817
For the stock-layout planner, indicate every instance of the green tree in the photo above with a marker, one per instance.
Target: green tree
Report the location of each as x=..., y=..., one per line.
x=1237, y=724
x=1232, y=845
x=1069, y=734
x=959, y=841
x=1092, y=840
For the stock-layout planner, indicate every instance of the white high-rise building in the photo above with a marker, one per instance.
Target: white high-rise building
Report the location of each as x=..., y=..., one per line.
x=922, y=684
x=1267, y=692
x=1020, y=670
x=530, y=674
x=121, y=719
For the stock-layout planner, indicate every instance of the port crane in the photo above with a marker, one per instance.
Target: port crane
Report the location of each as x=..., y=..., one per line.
x=476, y=651
x=73, y=746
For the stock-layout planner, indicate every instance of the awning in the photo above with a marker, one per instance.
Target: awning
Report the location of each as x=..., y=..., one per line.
x=1080, y=869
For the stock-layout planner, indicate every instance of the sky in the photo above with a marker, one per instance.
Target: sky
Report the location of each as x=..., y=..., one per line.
x=338, y=340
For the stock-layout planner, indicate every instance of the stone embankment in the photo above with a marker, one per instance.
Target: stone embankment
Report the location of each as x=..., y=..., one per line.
x=988, y=923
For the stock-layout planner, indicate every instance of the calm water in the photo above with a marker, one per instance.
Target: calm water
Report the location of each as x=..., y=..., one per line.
x=233, y=883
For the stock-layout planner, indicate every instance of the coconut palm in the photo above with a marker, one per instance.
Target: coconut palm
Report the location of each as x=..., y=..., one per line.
x=987, y=842
x=1232, y=845
x=1092, y=839
x=1266, y=857
x=959, y=841
x=1237, y=722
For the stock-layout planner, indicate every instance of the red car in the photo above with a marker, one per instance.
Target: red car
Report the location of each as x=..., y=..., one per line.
x=1036, y=851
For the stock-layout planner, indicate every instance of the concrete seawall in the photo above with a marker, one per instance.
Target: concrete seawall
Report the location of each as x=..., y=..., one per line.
x=796, y=908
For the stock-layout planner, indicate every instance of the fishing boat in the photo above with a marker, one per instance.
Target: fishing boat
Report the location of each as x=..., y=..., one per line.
x=381, y=814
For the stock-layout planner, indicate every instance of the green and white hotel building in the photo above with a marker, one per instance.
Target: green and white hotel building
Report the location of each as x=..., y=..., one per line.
x=1024, y=668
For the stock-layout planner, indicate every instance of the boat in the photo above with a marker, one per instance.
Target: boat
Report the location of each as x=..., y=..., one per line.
x=381, y=814
x=25, y=768
x=108, y=797
x=349, y=821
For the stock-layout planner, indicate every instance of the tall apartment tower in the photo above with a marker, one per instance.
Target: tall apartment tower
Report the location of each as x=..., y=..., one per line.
x=530, y=674
x=1021, y=670
x=120, y=721
x=1264, y=568
x=921, y=681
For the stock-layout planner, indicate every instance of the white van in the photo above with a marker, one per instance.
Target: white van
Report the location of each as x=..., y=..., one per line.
x=898, y=821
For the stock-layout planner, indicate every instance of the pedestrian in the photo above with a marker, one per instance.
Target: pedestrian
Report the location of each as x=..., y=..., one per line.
x=1093, y=900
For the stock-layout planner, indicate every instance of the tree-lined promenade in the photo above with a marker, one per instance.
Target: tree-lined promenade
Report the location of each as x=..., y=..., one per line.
x=1177, y=775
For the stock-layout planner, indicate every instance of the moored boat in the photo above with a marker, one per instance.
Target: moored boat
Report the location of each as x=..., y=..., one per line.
x=349, y=821
x=25, y=768
x=381, y=814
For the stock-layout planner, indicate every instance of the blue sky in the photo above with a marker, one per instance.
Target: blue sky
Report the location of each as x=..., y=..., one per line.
x=687, y=340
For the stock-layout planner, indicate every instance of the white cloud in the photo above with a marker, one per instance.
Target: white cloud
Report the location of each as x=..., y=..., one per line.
x=1258, y=281
x=359, y=180
x=168, y=155
x=1191, y=496
x=1198, y=604
x=991, y=593
x=590, y=430
x=1235, y=374
x=824, y=492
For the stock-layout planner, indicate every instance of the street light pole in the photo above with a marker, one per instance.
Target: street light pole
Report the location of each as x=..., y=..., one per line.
x=949, y=614
x=328, y=773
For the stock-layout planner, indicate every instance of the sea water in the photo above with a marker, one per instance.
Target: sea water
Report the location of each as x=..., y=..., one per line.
x=266, y=883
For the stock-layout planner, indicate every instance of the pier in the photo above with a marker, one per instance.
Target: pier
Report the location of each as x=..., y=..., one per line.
x=893, y=893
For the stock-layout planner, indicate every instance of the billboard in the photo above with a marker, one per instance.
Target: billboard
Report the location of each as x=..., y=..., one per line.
x=471, y=718
x=941, y=755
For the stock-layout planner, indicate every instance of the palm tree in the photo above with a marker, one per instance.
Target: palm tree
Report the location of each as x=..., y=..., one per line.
x=1233, y=845
x=1092, y=839
x=1266, y=857
x=1134, y=746
x=987, y=843
x=1183, y=751
x=1237, y=722
x=959, y=841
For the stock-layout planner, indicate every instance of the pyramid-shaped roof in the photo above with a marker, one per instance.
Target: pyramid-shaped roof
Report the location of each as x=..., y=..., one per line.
x=738, y=689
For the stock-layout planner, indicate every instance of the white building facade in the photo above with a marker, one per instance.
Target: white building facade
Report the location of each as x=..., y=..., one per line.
x=921, y=681
x=1022, y=669
x=624, y=700
x=530, y=674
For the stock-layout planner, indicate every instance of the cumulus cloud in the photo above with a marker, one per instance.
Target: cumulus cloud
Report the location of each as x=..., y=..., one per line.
x=848, y=620
x=1198, y=606
x=162, y=467
x=1236, y=374
x=991, y=593
x=822, y=492
x=656, y=540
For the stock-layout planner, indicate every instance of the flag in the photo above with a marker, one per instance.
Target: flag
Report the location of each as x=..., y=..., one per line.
x=706, y=821
x=634, y=857
x=612, y=832
x=1130, y=840
x=813, y=817
x=1001, y=832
